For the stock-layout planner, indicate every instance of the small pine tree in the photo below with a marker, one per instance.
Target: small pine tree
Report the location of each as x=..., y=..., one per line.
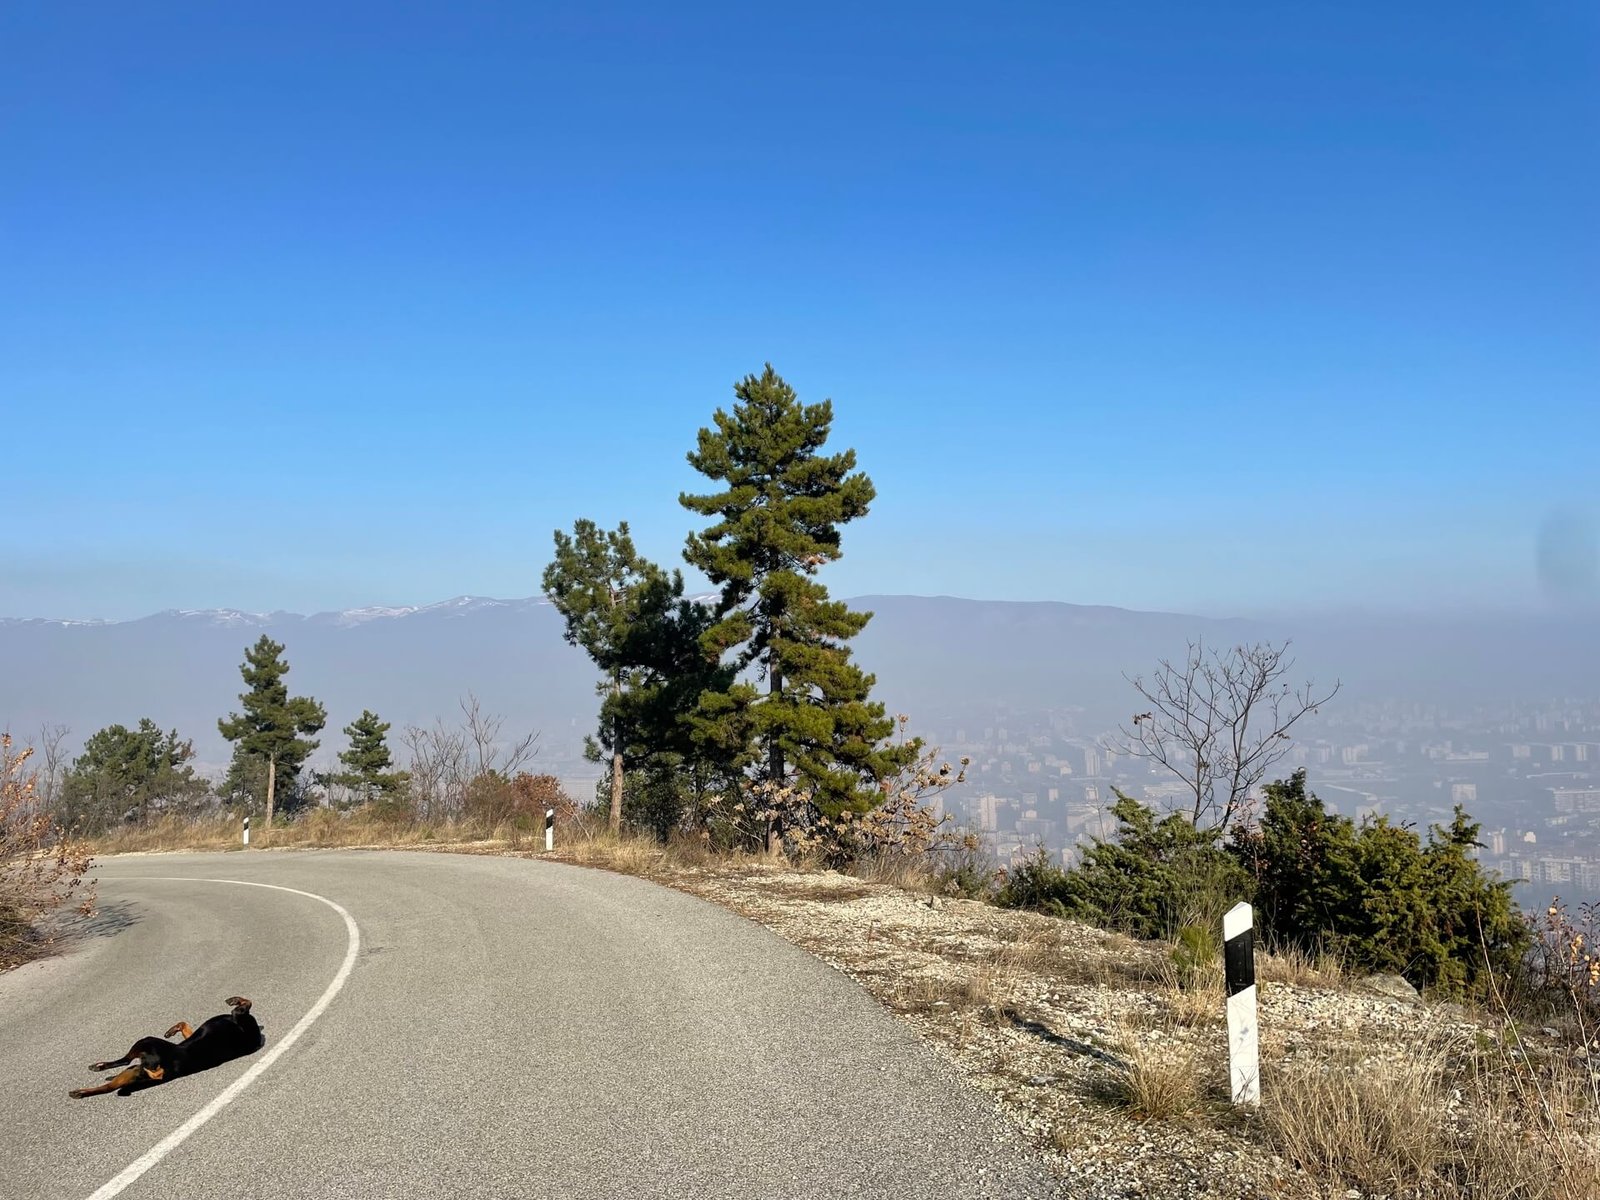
x=1151, y=880
x=269, y=733
x=367, y=762
x=598, y=582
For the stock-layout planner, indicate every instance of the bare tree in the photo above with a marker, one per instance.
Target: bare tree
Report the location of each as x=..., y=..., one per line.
x=52, y=765
x=1219, y=722
x=445, y=761
x=438, y=770
x=483, y=730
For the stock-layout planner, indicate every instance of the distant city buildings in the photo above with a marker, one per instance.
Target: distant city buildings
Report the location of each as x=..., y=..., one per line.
x=1041, y=781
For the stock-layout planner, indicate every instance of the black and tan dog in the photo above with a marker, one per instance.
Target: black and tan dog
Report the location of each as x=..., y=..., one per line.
x=231, y=1035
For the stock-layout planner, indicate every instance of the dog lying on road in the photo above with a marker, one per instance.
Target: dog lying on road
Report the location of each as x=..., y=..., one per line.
x=231, y=1035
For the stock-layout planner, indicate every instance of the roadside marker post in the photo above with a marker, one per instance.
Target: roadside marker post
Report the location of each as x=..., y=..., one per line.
x=247, y=831
x=1239, y=968
x=549, y=828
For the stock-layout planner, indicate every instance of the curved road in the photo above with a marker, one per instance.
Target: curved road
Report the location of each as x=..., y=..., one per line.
x=504, y=1028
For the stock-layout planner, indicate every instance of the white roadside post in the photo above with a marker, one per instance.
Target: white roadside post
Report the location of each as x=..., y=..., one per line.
x=1239, y=968
x=549, y=828
x=247, y=831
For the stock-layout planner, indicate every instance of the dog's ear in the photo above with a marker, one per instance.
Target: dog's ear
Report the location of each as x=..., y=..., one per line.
x=238, y=1002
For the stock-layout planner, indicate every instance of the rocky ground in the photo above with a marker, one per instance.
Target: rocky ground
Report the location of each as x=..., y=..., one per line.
x=1085, y=1038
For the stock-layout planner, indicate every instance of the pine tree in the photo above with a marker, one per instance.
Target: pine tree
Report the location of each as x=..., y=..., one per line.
x=778, y=521
x=668, y=765
x=598, y=582
x=271, y=727
x=368, y=760
x=124, y=773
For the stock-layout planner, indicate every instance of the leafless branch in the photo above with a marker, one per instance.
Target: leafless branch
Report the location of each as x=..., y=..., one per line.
x=445, y=761
x=1219, y=722
x=53, y=764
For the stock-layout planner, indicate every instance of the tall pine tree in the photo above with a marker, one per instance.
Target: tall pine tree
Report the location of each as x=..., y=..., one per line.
x=270, y=729
x=778, y=519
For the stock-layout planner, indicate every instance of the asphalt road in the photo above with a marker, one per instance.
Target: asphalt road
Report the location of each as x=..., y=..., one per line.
x=498, y=1027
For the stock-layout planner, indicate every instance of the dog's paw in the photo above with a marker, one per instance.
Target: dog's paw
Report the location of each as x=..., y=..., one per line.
x=100, y=1066
x=76, y=1093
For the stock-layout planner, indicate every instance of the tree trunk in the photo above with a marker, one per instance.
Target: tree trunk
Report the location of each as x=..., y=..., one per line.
x=616, y=765
x=774, y=747
x=272, y=781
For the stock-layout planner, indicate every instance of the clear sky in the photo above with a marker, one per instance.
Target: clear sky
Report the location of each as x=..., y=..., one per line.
x=1216, y=307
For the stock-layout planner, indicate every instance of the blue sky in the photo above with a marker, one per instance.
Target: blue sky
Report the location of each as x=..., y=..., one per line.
x=1227, y=308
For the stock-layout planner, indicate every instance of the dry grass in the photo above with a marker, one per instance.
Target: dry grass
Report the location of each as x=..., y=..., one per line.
x=1437, y=1122
x=585, y=842
x=1373, y=1124
x=907, y=872
x=979, y=995
x=1153, y=1078
x=1198, y=1000
x=1299, y=968
x=321, y=827
x=582, y=841
x=824, y=889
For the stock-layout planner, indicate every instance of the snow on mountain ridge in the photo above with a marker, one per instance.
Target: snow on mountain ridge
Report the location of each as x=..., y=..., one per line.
x=456, y=606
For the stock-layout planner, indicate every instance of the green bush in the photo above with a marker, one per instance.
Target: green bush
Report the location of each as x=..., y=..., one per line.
x=1156, y=877
x=1377, y=894
x=1037, y=883
x=968, y=873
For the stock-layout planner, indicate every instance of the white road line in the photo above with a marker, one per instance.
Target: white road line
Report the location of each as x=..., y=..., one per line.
x=177, y=1137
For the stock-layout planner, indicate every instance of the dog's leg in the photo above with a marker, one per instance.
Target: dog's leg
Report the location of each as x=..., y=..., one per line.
x=120, y=1080
x=182, y=1029
x=111, y=1064
x=144, y=1047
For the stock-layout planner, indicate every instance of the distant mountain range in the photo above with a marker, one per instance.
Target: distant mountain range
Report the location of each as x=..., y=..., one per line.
x=945, y=661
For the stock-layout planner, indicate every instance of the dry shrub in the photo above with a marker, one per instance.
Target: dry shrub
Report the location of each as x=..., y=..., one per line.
x=1541, y=1095
x=912, y=873
x=1527, y=1135
x=1153, y=1079
x=41, y=866
x=516, y=805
